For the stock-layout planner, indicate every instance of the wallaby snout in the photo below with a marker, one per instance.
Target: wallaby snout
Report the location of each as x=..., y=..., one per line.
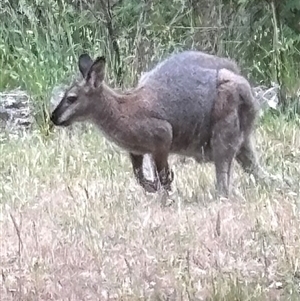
x=59, y=115
x=192, y=104
x=54, y=117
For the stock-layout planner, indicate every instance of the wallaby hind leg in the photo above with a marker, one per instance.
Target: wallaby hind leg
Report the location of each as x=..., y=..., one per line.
x=226, y=130
x=225, y=147
x=137, y=165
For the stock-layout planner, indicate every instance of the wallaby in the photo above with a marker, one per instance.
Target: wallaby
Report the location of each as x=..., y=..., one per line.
x=190, y=104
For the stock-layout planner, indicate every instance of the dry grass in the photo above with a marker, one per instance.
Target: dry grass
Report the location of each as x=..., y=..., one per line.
x=76, y=226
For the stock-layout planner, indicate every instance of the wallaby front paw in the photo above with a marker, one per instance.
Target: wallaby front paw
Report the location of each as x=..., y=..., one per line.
x=166, y=177
x=150, y=186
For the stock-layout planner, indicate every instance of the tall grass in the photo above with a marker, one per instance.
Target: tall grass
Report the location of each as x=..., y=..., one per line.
x=74, y=223
x=40, y=40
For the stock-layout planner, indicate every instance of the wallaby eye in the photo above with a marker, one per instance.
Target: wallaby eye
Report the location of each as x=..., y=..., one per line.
x=71, y=99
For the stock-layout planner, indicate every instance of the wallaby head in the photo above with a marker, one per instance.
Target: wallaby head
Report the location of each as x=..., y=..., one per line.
x=81, y=98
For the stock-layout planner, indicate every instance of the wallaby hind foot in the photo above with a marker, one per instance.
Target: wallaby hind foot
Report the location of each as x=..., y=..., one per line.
x=247, y=158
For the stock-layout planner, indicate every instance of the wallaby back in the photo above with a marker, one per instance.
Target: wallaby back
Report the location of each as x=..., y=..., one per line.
x=200, y=59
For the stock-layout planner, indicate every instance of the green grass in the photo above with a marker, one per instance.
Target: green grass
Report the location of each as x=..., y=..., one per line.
x=76, y=226
x=74, y=223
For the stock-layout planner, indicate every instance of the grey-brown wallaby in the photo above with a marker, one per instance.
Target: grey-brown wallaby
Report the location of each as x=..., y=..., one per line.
x=192, y=103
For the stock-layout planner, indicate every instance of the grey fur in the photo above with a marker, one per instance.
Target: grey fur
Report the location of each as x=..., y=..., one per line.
x=190, y=104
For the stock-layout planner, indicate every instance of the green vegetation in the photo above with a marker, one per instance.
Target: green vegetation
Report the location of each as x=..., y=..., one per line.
x=74, y=224
x=40, y=40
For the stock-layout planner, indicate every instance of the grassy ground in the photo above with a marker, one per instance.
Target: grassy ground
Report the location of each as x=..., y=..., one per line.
x=76, y=226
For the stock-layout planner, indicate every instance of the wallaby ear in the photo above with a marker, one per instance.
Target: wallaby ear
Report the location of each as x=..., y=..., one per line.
x=96, y=73
x=84, y=63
